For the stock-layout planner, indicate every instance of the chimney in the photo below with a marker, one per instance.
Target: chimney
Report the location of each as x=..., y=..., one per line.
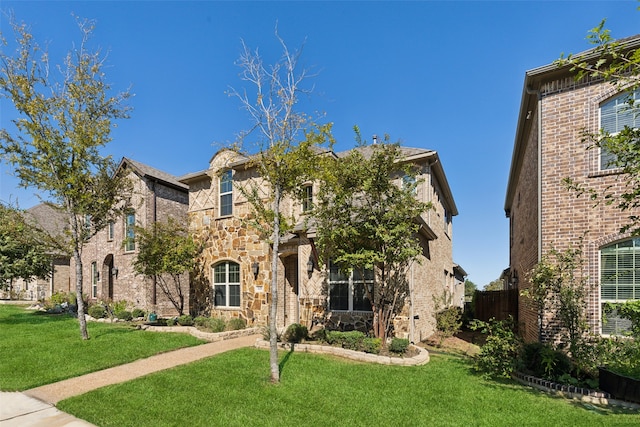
x=375, y=139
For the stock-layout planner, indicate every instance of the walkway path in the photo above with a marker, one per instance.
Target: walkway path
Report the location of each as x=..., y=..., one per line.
x=35, y=407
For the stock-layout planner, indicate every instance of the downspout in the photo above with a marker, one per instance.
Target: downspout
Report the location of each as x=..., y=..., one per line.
x=154, y=213
x=411, y=312
x=539, y=177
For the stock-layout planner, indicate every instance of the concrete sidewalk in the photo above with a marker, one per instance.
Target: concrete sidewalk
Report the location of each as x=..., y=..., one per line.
x=36, y=407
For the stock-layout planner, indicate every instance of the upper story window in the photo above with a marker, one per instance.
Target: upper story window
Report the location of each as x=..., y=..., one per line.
x=130, y=232
x=226, y=282
x=110, y=230
x=349, y=291
x=615, y=115
x=409, y=182
x=307, y=201
x=619, y=279
x=226, y=193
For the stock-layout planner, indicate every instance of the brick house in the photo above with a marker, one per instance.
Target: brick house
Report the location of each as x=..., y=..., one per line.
x=107, y=257
x=236, y=260
x=554, y=111
x=53, y=222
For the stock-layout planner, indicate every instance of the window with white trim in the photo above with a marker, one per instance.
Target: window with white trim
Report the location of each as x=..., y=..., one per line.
x=110, y=230
x=619, y=280
x=226, y=193
x=349, y=290
x=615, y=115
x=226, y=284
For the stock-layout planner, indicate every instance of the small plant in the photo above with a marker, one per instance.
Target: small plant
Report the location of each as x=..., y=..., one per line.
x=351, y=340
x=449, y=321
x=185, y=320
x=399, y=345
x=236, y=324
x=137, y=312
x=123, y=315
x=97, y=311
x=372, y=345
x=172, y=321
x=499, y=354
x=295, y=333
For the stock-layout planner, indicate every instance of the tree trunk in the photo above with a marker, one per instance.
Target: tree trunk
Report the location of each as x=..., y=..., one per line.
x=79, y=299
x=273, y=309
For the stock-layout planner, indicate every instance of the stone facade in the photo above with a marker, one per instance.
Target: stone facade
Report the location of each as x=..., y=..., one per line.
x=229, y=240
x=107, y=262
x=542, y=212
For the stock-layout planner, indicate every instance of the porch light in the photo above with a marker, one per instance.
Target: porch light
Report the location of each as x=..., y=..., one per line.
x=310, y=266
x=255, y=268
x=114, y=272
x=370, y=287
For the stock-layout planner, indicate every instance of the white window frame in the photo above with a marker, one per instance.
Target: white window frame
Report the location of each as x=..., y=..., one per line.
x=351, y=283
x=226, y=284
x=110, y=230
x=622, y=110
x=623, y=276
x=226, y=177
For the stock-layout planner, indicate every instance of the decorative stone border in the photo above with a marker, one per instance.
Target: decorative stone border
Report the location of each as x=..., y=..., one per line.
x=207, y=336
x=573, y=392
x=420, y=359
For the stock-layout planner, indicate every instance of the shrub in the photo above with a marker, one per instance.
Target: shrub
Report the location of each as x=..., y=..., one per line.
x=351, y=340
x=543, y=361
x=137, y=312
x=319, y=335
x=399, y=345
x=236, y=324
x=117, y=306
x=372, y=345
x=185, y=320
x=499, y=354
x=172, y=321
x=97, y=311
x=58, y=298
x=123, y=315
x=201, y=322
x=449, y=321
x=209, y=324
x=295, y=333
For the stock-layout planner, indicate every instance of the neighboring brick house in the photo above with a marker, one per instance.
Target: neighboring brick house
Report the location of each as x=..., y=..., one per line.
x=107, y=257
x=543, y=214
x=54, y=222
x=236, y=259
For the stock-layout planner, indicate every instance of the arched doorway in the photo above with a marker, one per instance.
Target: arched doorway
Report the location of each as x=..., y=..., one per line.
x=291, y=307
x=108, y=275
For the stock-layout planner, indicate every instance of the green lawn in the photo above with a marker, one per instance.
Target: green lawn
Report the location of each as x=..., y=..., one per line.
x=39, y=349
x=232, y=389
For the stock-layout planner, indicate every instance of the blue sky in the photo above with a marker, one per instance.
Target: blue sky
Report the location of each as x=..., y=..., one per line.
x=441, y=75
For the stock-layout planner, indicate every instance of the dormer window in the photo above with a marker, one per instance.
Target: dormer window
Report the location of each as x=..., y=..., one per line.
x=226, y=193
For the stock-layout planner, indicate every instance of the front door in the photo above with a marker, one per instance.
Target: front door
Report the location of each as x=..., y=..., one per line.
x=290, y=296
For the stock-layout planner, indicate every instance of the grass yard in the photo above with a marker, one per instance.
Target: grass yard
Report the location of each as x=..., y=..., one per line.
x=232, y=389
x=39, y=348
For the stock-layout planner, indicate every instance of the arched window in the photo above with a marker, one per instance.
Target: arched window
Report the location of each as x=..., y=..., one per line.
x=615, y=114
x=226, y=284
x=619, y=279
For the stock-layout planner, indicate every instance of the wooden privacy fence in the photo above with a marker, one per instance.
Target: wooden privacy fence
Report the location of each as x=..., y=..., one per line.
x=496, y=304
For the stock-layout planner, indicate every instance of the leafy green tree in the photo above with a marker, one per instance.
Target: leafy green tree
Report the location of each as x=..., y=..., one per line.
x=469, y=289
x=64, y=120
x=166, y=253
x=288, y=142
x=367, y=218
x=25, y=251
x=557, y=285
x=494, y=285
x=612, y=61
